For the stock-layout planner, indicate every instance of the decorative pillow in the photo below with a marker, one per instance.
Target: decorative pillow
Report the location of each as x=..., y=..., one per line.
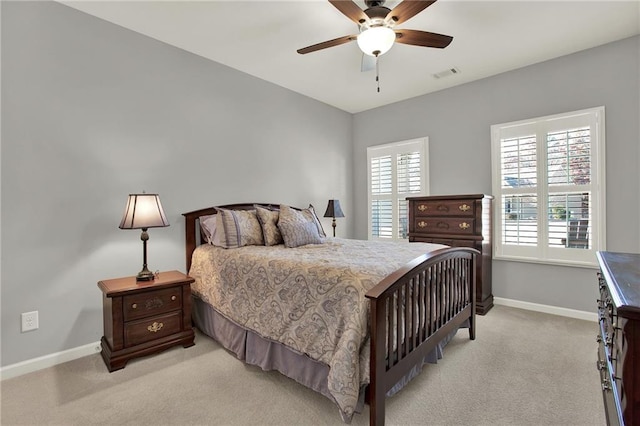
x=238, y=228
x=269, y=221
x=209, y=229
x=297, y=228
x=312, y=212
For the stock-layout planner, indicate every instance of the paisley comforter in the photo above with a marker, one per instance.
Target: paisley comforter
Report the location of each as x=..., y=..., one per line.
x=310, y=298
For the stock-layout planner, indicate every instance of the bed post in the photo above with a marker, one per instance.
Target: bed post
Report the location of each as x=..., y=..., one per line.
x=190, y=233
x=472, y=319
x=190, y=240
x=377, y=370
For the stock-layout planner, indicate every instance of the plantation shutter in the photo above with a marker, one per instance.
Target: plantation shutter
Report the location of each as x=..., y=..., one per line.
x=396, y=171
x=381, y=202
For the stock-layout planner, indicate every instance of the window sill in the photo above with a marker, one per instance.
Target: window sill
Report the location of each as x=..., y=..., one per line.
x=556, y=262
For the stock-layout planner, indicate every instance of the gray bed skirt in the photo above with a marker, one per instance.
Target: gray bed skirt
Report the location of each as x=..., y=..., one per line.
x=270, y=355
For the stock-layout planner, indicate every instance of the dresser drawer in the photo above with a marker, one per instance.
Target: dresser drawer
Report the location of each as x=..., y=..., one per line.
x=444, y=208
x=446, y=241
x=153, y=328
x=609, y=394
x=154, y=302
x=444, y=225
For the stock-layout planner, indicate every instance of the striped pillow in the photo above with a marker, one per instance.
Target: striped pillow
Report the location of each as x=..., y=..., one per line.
x=238, y=228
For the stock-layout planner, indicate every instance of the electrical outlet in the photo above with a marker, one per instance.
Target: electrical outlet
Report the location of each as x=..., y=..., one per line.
x=29, y=321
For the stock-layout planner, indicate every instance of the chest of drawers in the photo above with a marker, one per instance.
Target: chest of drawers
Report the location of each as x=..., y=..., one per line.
x=143, y=317
x=619, y=336
x=458, y=221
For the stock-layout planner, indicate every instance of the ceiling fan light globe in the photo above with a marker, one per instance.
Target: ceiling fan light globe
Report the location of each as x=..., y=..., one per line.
x=376, y=39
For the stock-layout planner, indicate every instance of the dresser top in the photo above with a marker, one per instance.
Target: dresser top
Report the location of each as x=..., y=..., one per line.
x=622, y=272
x=452, y=197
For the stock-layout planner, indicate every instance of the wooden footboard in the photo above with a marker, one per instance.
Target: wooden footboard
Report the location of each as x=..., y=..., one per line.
x=412, y=310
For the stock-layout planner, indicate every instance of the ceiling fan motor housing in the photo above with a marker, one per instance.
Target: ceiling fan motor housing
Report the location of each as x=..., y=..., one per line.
x=377, y=13
x=374, y=3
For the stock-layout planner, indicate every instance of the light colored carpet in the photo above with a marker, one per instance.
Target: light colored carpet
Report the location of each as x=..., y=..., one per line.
x=524, y=368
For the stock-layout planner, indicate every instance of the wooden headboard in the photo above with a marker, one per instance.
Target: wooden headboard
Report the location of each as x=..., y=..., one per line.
x=192, y=224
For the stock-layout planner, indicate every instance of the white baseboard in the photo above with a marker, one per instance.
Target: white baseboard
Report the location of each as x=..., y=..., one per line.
x=50, y=360
x=547, y=309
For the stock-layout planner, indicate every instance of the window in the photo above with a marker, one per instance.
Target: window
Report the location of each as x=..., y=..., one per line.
x=548, y=183
x=395, y=171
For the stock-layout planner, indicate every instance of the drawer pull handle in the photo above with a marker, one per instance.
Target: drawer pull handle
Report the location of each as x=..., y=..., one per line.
x=601, y=365
x=464, y=225
x=443, y=208
x=134, y=306
x=173, y=297
x=606, y=385
x=422, y=207
x=464, y=207
x=422, y=224
x=443, y=225
x=155, y=327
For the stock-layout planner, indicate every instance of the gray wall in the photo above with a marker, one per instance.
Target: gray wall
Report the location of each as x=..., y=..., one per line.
x=457, y=122
x=92, y=112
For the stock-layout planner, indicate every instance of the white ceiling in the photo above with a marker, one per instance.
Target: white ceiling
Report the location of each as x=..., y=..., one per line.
x=261, y=37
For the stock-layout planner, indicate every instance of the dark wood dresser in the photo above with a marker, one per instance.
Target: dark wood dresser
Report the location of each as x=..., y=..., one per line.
x=144, y=317
x=619, y=338
x=458, y=221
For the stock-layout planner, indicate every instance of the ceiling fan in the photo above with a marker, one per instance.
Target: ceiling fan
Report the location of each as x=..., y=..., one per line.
x=377, y=27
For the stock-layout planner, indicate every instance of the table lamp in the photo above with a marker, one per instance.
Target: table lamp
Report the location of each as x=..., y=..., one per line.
x=333, y=210
x=143, y=211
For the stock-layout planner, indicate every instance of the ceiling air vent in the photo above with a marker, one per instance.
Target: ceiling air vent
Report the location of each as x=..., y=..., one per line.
x=447, y=73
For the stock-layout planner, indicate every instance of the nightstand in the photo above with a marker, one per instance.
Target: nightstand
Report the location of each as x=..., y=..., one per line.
x=144, y=317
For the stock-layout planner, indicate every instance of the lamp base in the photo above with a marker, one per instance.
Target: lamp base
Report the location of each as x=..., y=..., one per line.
x=145, y=275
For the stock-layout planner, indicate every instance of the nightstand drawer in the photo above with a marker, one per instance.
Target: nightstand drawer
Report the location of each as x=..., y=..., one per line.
x=154, y=302
x=137, y=332
x=443, y=225
x=444, y=208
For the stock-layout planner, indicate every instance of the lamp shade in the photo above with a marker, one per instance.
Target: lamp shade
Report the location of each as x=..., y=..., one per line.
x=333, y=209
x=376, y=41
x=143, y=211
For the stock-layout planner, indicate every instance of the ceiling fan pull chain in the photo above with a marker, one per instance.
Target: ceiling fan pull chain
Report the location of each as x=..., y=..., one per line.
x=377, y=74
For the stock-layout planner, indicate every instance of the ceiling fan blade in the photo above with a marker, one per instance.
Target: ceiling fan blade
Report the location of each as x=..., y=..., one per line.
x=326, y=44
x=368, y=63
x=423, y=38
x=350, y=10
x=407, y=10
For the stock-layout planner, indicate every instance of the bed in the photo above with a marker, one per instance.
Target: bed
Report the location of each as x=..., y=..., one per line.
x=349, y=319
